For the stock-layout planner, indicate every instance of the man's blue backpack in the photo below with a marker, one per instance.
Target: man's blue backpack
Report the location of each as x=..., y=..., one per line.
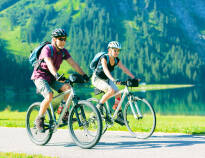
x=94, y=62
x=33, y=59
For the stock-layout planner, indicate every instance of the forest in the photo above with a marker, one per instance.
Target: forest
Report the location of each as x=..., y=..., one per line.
x=155, y=44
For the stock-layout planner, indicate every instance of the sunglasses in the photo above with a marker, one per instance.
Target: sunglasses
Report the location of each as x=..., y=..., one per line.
x=116, y=49
x=62, y=39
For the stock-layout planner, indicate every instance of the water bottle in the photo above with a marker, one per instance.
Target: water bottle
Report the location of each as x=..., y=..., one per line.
x=60, y=108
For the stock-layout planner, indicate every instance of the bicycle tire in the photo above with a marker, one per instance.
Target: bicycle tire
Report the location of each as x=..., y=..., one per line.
x=105, y=124
x=140, y=127
x=85, y=124
x=34, y=135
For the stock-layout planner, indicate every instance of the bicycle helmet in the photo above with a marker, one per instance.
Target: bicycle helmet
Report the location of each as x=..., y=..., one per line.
x=59, y=33
x=114, y=44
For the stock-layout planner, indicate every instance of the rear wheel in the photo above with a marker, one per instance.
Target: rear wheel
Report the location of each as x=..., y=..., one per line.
x=33, y=133
x=106, y=125
x=85, y=124
x=143, y=125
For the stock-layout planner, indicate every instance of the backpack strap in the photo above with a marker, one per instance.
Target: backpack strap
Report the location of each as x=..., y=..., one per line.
x=107, y=56
x=51, y=48
x=39, y=66
x=116, y=61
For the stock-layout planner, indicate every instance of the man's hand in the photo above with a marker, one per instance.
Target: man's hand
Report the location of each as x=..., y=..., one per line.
x=59, y=77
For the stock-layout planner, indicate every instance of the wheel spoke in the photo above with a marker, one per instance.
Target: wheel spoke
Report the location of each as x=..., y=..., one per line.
x=144, y=124
x=88, y=132
x=33, y=133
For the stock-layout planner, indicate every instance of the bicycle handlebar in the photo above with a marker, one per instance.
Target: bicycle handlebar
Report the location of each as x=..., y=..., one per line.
x=71, y=80
x=130, y=83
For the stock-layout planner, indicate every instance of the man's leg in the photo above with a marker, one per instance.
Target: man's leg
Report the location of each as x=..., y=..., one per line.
x=44, y=88
x=62, y=87
x=45, y=104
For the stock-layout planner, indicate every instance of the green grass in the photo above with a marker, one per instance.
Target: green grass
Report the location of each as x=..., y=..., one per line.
x=12, y=118
x=20, y=155
x=169, y=124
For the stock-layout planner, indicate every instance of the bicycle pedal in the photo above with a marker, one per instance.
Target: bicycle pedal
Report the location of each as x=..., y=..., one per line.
x=120, y=122
x=108, y=120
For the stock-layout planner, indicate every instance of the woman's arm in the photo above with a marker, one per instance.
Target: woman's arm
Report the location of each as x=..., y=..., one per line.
x=125, y=70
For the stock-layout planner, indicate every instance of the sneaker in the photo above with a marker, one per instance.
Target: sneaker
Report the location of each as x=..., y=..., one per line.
x=65, y=117
x=120, y=119
x=108, y=120
x=100, y=108
x=39, y=122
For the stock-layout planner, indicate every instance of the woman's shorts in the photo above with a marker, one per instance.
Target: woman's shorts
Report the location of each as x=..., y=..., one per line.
x=103, y=85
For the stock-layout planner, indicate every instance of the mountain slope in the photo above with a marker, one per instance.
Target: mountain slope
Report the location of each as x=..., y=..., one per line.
x=161, y=40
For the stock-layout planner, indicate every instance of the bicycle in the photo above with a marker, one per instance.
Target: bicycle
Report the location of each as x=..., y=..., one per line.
x=139, y=115
x=85, y=129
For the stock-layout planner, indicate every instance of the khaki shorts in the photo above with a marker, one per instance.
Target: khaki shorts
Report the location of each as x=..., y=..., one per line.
x=44, y=88
x=103, y=85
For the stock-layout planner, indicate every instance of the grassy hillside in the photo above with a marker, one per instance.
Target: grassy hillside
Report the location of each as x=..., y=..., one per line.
x=157, y=45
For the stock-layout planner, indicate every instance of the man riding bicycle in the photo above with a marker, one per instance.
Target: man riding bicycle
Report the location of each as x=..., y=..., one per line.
x=104, y=81
x=46, y=78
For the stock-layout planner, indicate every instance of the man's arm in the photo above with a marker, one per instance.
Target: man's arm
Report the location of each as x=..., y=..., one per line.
x=75, y=66
x=50, y=65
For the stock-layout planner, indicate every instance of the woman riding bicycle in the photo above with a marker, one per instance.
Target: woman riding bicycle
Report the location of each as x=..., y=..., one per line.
x=103, y=80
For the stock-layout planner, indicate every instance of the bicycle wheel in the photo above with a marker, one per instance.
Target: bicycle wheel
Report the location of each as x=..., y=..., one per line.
x=85, y=124
x=106, y=125
x=33, y=133
x=143, y=125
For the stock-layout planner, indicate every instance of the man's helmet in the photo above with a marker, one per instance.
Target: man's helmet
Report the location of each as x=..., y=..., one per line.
x=114, y=44
x=59, y=33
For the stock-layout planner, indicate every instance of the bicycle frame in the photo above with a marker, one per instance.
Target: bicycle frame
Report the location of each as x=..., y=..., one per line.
x=68, y=101
x=125, y=92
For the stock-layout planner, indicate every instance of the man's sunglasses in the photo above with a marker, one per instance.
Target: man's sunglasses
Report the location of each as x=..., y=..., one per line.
x=62, y=39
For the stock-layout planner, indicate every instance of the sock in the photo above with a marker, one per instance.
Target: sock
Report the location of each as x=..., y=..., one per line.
x=117, y=100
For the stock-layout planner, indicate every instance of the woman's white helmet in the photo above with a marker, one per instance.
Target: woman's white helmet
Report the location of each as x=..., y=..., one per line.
x=114, y=44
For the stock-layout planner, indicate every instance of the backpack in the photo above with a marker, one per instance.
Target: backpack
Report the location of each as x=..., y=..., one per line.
x=33, y=59
x=94, y=62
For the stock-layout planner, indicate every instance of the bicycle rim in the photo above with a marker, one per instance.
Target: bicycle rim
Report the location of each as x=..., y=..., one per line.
x=143, y=126
x=33, y=133
x=105, y=123
x=85, y=124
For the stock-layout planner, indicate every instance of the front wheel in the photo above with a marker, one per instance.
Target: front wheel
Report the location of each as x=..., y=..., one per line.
x=105, y=125
x=140, y=118
x=85, y=124
x=33, y=133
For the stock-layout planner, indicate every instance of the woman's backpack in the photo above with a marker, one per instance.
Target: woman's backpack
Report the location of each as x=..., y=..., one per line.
x=94, y=62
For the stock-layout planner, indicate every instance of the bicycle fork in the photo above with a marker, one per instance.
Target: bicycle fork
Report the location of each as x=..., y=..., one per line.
x=137, y=115
x=78, y=113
